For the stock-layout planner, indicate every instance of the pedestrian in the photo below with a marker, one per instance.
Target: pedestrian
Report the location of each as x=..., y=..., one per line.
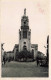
x=37, y=61
x=4, y=59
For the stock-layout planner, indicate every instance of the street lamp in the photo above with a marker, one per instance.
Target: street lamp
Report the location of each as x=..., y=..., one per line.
x=2, y=47
x=46, y=49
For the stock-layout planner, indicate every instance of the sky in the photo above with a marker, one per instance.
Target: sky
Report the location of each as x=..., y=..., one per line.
x=38, y=14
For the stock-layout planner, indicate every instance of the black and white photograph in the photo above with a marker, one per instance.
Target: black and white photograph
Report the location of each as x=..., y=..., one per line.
x=25, y=38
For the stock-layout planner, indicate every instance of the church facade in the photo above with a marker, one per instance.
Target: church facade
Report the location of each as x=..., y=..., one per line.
x=25, y=38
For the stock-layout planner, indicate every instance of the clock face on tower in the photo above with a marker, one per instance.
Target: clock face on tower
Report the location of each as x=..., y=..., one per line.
x=24, y=23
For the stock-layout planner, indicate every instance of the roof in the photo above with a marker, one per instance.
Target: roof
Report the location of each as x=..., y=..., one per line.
x=34, y=45
x=16, y=45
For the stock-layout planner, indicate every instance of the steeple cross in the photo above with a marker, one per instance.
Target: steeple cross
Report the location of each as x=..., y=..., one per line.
x=25, y=12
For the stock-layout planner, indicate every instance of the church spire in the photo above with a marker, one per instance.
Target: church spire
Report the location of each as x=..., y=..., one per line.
x=25, y=12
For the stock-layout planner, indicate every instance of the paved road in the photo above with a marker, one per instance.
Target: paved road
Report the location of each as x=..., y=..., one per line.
x=23, y=69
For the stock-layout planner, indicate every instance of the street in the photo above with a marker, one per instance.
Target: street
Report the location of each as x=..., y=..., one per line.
x=23, y=69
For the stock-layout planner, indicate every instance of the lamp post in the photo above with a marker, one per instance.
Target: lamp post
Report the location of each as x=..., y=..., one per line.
x=2, y=51
x=46, y=49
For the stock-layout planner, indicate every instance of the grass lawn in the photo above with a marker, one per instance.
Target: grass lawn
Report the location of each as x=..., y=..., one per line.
x=23, y=69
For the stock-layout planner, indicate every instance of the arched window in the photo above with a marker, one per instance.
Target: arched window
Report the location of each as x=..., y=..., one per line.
x=24, y=47
x=24, y=34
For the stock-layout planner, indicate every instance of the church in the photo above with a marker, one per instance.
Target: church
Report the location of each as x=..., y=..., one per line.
x=25, y=38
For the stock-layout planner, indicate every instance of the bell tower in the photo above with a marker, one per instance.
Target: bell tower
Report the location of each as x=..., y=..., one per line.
x=24, y=34
x=24, y=21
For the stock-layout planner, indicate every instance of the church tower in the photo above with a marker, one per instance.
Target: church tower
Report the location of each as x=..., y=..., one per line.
x=24, y=34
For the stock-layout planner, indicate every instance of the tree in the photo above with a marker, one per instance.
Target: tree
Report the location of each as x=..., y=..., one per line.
x=48, y=49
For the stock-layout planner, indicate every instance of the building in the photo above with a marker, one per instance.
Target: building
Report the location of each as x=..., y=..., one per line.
x=9, y=55
x=25, y=38
x=24, y=41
